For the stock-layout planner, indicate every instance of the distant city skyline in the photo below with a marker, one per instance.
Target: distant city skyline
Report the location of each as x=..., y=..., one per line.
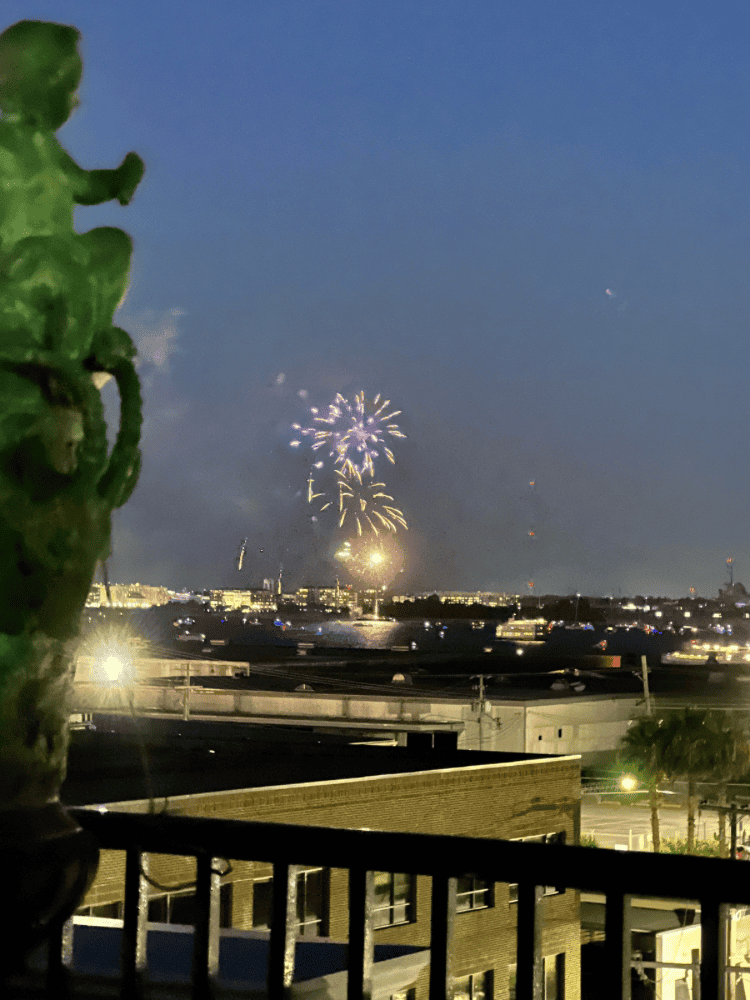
x=329, y=584
x=525, y=225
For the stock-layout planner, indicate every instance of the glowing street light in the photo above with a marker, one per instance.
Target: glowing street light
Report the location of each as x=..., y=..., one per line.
x=629, y=783
x=113, y=668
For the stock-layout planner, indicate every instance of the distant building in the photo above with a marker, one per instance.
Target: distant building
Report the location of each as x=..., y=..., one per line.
x=330, y=598
x=556, y=720
x=490, y=600
x=734, y=593
x=128, y=595
x=255, y=599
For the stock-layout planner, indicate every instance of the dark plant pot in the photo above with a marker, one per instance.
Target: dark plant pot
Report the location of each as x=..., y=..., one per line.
x=48, y=865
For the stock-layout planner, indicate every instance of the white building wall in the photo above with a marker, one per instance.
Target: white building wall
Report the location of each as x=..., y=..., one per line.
x=586, y=726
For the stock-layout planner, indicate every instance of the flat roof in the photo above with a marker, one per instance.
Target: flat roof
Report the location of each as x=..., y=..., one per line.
x=195, y=757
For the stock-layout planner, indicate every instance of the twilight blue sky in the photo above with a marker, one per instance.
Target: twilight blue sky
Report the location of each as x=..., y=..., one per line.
x=429, y=199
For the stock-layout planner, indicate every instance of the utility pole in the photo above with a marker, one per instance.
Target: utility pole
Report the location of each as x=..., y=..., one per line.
x=646, y=691
x=186, y=695
x=479, y=705
x=732, y=811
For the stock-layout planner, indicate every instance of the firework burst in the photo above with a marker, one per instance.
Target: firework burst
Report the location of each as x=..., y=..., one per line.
x=353, y=433
x=367, y=504
x=375, y=560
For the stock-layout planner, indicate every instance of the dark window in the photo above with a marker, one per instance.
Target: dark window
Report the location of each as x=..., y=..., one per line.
x=559, y=734
x=394, y=899
x=262, y=892
x=180, y=907
x=473, y=893
x=409, y=994
x=112, y=910
x=542, y=838
x=553, y=977
x=312, y=903
x=477, y=986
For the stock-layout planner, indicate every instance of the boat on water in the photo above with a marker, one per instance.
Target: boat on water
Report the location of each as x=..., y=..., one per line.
x=522, y=629
x=368, y=621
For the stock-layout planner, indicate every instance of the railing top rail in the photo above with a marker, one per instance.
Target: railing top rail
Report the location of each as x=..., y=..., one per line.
x=593, y=870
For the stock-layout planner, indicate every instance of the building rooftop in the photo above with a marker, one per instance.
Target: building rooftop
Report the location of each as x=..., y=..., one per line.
x=109, y=764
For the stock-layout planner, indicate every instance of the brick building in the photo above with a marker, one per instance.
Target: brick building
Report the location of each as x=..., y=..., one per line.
x=401, y=789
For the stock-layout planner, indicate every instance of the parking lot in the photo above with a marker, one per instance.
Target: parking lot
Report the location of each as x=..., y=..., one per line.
x=628, y=827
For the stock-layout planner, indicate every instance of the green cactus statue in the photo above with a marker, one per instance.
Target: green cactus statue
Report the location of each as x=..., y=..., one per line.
x=58, y=485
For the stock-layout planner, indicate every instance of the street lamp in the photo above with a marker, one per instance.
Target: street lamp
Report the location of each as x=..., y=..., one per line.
x=629, y=783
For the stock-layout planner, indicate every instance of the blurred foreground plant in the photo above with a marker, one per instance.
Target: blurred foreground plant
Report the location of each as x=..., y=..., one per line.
x=58, y=485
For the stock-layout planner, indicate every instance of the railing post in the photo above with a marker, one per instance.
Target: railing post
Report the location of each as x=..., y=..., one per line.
x=714, y=949
x=529, y=983
x=283, y=931
x=60, y=959
x=206, y=932
x=361, y=940
x=618, y=943
x=134, y=925
x=695, y=975
x=443, y=918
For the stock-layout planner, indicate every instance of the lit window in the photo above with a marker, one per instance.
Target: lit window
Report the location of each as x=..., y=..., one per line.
x=477, y=986
x=394, y=899
x=472, y=893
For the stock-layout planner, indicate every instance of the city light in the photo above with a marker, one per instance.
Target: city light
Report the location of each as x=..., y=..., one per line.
x=629, y=783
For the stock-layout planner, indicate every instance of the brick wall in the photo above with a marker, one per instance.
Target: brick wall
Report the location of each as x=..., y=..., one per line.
x=509, y=800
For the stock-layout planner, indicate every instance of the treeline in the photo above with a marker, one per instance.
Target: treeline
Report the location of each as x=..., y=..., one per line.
x=430, y=608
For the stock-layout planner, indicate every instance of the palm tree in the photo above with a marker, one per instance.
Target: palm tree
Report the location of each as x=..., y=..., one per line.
x=691, y=754
x=645, y=745
x=702, y=745
x=692, y=744
x=732, y=763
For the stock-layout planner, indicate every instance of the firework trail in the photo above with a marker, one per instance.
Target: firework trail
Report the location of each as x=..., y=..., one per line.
x=354, y=434
x=531, y=533
x=367, y=504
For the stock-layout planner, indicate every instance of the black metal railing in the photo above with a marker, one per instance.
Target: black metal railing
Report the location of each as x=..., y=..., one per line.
x=716, y=884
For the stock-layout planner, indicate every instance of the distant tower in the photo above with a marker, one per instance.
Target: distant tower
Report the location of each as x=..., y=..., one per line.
x=281, y=573
x=730, y=571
